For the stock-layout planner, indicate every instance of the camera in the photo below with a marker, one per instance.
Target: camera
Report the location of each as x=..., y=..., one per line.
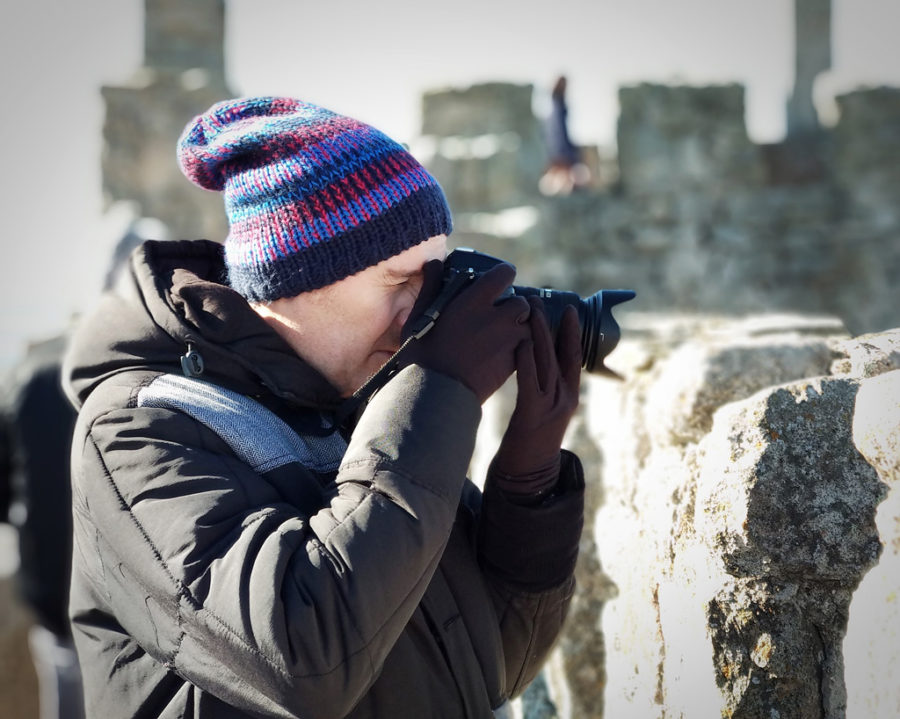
x=599, y=330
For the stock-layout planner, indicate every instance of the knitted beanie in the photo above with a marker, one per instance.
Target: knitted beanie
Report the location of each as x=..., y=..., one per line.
x=311, y=196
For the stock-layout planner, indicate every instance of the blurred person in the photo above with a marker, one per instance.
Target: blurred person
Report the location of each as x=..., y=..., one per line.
x=566, y=170
x=5, y=459
x=40, y=421
x=272, y=514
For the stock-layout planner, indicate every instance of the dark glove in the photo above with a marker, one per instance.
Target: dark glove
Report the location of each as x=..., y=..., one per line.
x=432, y=280
x=548, y=378
x=475, y=338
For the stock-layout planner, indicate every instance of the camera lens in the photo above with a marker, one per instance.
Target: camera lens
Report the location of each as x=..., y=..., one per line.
x=599, y=330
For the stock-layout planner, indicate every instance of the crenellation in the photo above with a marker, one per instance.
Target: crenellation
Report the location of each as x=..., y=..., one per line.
x=700, y=219
x=182, y=75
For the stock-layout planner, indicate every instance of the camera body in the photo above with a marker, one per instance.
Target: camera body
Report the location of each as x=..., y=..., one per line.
x=600, y=332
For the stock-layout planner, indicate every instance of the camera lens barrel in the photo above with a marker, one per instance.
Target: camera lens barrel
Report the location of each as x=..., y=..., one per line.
x=599, y=330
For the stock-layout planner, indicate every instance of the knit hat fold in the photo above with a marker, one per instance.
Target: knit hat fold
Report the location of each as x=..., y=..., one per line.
x=311, y=196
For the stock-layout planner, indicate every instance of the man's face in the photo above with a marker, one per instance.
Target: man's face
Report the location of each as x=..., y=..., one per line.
x=349, y=329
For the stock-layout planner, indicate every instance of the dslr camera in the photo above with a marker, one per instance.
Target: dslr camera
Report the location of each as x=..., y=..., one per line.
x=599, y=330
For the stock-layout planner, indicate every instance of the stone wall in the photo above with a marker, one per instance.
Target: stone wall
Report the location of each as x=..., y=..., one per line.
x=739, y=519
x=699, y=219
x=743, y=545
x=182, y=75
x=484, y=144
x=144, y=120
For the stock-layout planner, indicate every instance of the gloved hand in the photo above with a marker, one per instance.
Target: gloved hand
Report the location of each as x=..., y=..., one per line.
x=475, y=338
x=432, y=279
x=548, y=379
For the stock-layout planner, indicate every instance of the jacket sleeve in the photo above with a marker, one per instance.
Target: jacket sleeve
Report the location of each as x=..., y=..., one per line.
x=218, y=577
x=528, y=554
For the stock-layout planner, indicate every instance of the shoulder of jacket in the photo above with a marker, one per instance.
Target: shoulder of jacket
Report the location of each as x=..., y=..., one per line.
x=254, y=433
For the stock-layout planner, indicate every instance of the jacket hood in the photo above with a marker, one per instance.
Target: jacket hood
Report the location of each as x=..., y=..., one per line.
x=172, y=298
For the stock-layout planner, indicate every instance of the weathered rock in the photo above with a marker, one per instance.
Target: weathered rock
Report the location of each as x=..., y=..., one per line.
x=736, y=543
x=777, y=649
x=787, y=504
x=699, y=378
x=581, y=651
x=867, y=355
x=783, y=490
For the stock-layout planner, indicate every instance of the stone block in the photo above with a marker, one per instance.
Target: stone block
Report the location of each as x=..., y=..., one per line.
x=784, y=492
x=698, y=378
x=787, y=504
x=678, y=136
x=867, y=355
x=867, y=136
x=738, y=552
x=482, y=109
x=141, y=129
x=185, y=35
x=498, y=173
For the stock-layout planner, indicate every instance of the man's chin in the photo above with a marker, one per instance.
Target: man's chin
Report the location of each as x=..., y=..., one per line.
x=376, y=361
x=379, y=357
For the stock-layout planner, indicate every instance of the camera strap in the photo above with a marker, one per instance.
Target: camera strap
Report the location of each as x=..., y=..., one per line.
x=422, y=324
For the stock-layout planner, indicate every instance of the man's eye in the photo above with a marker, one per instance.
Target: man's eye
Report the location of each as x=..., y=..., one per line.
x=412, y=280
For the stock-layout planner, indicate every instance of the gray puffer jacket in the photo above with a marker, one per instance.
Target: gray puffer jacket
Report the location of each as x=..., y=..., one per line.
x=205, y=585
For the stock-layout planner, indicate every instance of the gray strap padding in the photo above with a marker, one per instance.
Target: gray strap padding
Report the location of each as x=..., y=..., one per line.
x=254, y=433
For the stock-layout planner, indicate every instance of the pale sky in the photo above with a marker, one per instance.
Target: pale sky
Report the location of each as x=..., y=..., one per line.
x=371, y=60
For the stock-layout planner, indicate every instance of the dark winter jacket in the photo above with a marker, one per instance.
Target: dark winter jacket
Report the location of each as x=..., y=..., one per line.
x=203, y=587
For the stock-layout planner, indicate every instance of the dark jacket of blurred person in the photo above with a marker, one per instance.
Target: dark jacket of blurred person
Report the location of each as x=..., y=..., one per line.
x=565, y=170
x=41, y=420
x=5, y=468
x=561, y=150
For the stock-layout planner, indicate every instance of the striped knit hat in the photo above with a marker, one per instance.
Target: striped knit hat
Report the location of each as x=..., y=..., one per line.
x=311, y=196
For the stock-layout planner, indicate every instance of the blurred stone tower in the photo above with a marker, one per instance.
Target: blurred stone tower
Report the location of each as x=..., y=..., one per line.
x=812, y=56
x=182, y=75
